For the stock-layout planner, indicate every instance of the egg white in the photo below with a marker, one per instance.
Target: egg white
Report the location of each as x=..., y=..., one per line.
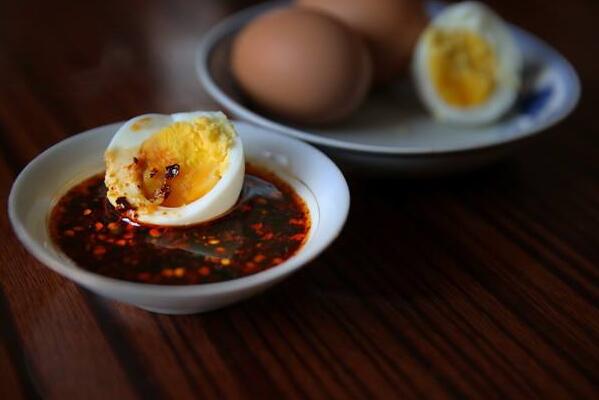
x=481, y=20
x=122, y=176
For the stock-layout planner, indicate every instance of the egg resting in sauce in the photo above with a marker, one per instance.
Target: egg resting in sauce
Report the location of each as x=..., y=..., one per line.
x=177, y=169
x=268, y=224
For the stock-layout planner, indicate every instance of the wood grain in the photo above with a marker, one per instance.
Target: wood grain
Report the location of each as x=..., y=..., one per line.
x=483, y=285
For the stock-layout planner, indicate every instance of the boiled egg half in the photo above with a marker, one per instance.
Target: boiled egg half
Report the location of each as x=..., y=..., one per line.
x=177, y=169
x=467, y=66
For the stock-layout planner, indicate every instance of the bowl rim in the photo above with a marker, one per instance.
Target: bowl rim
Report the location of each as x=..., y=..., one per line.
x=103, y=283
x=235, y=22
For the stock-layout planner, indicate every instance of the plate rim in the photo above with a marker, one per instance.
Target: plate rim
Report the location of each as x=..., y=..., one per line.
x=235, y=21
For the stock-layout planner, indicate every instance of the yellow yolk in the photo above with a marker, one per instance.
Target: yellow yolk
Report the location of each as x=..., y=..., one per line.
x=184, y=161
x=462, y=67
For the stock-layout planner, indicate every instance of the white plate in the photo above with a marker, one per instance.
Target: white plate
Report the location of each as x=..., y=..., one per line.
x=392, y=132
x=52, y=173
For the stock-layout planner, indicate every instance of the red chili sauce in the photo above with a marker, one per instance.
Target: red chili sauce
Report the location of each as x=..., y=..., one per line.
x=268, y=225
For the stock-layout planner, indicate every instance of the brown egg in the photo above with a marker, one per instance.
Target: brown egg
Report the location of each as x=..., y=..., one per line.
x=390, y=27
x=302, y=65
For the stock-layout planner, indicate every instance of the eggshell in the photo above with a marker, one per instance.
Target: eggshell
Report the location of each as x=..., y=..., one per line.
x=302, y=65
x=390, y=28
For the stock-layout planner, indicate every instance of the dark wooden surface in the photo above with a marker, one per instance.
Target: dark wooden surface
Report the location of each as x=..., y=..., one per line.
x=483, y=285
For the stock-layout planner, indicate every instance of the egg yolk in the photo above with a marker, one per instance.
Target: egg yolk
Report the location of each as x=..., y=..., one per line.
x=462, y=66
x=183, y=161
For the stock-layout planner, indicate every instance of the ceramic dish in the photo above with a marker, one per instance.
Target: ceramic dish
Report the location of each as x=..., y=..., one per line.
x=392, y=132
x=314, y=177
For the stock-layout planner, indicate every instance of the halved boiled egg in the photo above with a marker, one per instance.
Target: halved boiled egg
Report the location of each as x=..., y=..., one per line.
x=177, y=169
x=467, y=66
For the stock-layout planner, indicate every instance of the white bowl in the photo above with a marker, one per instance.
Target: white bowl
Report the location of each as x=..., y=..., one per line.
x=37, y=188
x=392, y=132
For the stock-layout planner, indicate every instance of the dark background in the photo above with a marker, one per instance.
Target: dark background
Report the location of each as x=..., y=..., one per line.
x=481, y=285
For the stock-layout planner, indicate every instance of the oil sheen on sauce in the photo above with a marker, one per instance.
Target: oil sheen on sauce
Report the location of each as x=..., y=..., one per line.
x=268, y=225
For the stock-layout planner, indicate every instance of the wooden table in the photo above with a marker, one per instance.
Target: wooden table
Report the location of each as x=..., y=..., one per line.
x=483, y=285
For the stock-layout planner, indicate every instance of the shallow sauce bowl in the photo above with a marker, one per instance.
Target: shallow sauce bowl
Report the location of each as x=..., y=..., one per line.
x=39, y=186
